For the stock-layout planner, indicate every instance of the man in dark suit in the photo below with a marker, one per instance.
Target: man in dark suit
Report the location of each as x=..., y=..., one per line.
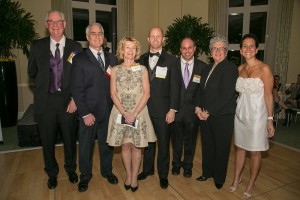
x=50, y=65
x=185, y=127
x=90, y=88
x=162, y=104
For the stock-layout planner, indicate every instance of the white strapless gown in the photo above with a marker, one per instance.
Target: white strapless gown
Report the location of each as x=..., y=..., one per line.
x=250, y=123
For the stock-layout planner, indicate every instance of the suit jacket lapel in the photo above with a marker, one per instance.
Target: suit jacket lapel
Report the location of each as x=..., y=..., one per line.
x=107, y=60
x=67, y=51
x=192, y=75
x=147, y=65
x=46, y=56
x=161, y=60
x=146, y=60
x=66, y=64
x=93, y=59
x=180, y=71
x=194, y=70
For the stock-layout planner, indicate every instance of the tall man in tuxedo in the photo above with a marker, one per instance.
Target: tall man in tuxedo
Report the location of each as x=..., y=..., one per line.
x=162, y=104
x=90, y=88
x=185, y=126
x=50, y=64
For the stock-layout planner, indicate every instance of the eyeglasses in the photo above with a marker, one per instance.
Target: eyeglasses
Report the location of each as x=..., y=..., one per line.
x=50, y=21
x=214, y=49
x=93, y=34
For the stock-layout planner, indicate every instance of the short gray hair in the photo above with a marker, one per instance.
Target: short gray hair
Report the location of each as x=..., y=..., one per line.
x=219, y=38
x=55, y=11
x=87, y=30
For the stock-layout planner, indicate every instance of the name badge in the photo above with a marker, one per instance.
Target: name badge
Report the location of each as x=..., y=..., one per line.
x=136, y=68
x=108, y=71
x=196, y=78
x=161, y=72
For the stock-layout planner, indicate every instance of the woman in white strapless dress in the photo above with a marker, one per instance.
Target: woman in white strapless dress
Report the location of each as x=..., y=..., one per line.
x=253, y=123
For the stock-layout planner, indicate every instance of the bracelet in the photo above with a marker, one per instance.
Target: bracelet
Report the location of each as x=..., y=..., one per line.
x=270, y=118
x=123, y=114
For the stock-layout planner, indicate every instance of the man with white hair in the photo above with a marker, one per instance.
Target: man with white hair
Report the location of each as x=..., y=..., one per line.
x=49, y=65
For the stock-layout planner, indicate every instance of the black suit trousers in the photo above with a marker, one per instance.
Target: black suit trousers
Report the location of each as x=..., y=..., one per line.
x=55, y=116
x=216, y=135
x=184, y=137
x=87, y=136
x=162, y=131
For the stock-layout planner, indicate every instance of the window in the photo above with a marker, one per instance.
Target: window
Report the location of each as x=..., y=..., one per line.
x=89, y=11
x=104, y=18
x=246, y=16
x=235, y=29
x=80, y=21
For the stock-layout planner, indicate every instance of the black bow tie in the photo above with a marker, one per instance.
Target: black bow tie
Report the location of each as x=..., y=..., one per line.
x=154, y=54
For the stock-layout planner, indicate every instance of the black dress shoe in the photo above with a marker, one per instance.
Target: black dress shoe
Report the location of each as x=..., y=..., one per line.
x=127, y=187
x=73, y=178
x=202, y=178
x=175, y=171
x=111, y=178
x=164, y=183
x=52, y=182
x=219, y=185
x=187, y=173
x=83, y=186
x=143, y=175
x=133, y=189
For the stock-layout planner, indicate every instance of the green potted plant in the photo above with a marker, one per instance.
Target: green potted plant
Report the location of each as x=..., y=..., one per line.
x=17, y=31
x=188, y=26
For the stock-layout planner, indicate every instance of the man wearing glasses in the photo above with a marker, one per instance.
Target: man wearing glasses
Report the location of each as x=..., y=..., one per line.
x=90, y=87
x=49, y=65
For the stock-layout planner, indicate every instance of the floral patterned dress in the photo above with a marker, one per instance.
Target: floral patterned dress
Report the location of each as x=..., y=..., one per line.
x=129, y=91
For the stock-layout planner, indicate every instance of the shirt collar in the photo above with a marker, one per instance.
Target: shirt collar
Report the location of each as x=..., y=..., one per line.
x=94, y=51
x=184, y=61
x=62, y=41
x=156, y=51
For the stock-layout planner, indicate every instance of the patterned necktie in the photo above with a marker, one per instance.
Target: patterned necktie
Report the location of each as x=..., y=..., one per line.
x=186, y=75
x=100, y=61
x=57, y=53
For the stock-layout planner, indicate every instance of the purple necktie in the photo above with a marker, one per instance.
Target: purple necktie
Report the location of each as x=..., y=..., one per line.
x=101, y=61
x=186, y=75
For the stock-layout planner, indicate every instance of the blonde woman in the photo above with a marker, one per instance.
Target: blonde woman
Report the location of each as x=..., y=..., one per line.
x=129, y=123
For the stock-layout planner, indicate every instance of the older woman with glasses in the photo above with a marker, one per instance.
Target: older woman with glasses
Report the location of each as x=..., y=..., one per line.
x=215, y=109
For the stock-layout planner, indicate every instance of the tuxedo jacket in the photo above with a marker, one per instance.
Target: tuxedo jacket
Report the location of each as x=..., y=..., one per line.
x=90, y=85
x=218, y=97
x=164, y=90
x=188, y=95
x=39, y=70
